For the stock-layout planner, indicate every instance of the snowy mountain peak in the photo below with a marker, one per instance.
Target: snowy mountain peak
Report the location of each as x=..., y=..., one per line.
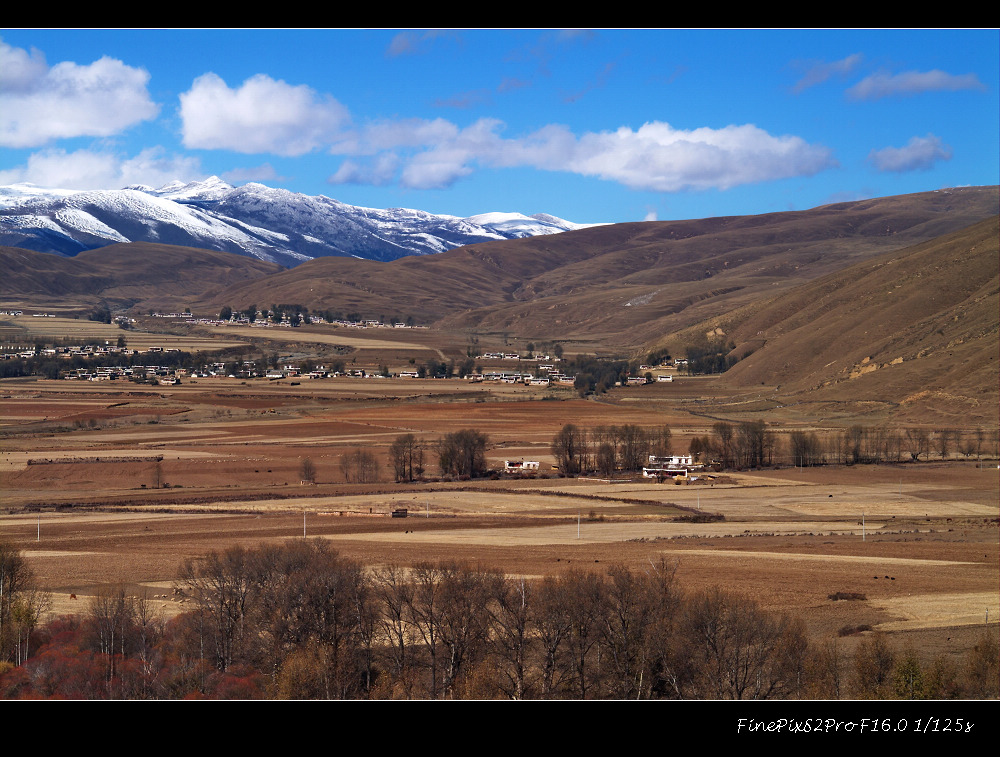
x=254, y=219
x=212, y=188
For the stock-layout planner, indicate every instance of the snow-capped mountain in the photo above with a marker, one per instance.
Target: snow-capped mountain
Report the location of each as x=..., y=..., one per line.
x=255, y=220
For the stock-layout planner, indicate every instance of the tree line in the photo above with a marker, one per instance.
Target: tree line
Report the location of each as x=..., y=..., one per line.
x=297, y=620
x=460, y=454
x=751, y=444
x=606, y=449
x=859, y=444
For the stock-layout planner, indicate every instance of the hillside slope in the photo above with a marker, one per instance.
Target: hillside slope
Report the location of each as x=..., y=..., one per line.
x=917, y=329
x=123, y=275
x=628, y=283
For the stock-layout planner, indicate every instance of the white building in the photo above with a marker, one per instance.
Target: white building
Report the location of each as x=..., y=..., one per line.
x=515, y=466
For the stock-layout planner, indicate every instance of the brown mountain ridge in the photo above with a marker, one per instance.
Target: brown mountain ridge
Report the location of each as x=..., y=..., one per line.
x=882, y=306
x=625, y=284
x=914, y=330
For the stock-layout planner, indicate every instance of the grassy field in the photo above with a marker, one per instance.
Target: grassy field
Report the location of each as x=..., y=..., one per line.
x=102, y=484
x=28, y=329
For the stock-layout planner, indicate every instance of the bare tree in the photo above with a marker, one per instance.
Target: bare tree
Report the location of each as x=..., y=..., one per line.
x=736, y=649
x=966, y=443
x=854, y=444
x=918, y=442
x=825, y=671
x=605, y=459
x=307, y=471
x=874, y=660
x=463, y=624
x=982, y=668
x=553, y=623
x=750, y=443
x=21, y=604
x=424, y=613
x=122, y=625
x=359, y=467
x=944, y=440
x=394, y=594
x=568, y=449
x=660, y=441
x=804, y=448
x=512, y=639
x=585, y=601
x=628, y=611
x=223, y=585
x=407, y=456
x=724, y=443
x=633, y=447
x=463, y=453
x=309, y=597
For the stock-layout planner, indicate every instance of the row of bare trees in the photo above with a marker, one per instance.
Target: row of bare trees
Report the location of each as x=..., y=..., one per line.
x=606, y=449
x=751, y=444
x=883, y=444
x=317, y=625
x=461, y=454
x=297, y=620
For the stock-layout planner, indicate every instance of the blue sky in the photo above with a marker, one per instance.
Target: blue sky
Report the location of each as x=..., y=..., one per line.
x=588, y=125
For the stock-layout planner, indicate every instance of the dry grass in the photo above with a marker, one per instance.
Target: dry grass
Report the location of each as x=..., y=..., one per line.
x=230, y=476
x=82, y=330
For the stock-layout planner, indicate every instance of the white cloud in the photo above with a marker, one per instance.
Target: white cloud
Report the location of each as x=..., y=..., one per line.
x=919, y=154
x=881, y=85
x=39, y=104
x=263, y=115
x=401, y=133
x=413, y=43
x=436, y=169
x=86, y=169
x=438, y=152
x=20, y=69
x=379, y=172
x=819, y=72
x=660, y=158
x=654, y=157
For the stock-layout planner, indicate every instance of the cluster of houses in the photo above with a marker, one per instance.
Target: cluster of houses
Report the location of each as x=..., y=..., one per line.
x=515, y=356
x=156, y=373
x=551, y=377
x=85, y=350
x=287, y=321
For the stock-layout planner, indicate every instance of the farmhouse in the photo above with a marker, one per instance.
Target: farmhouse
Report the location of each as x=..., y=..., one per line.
x=516, y=466
x=668, y=466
